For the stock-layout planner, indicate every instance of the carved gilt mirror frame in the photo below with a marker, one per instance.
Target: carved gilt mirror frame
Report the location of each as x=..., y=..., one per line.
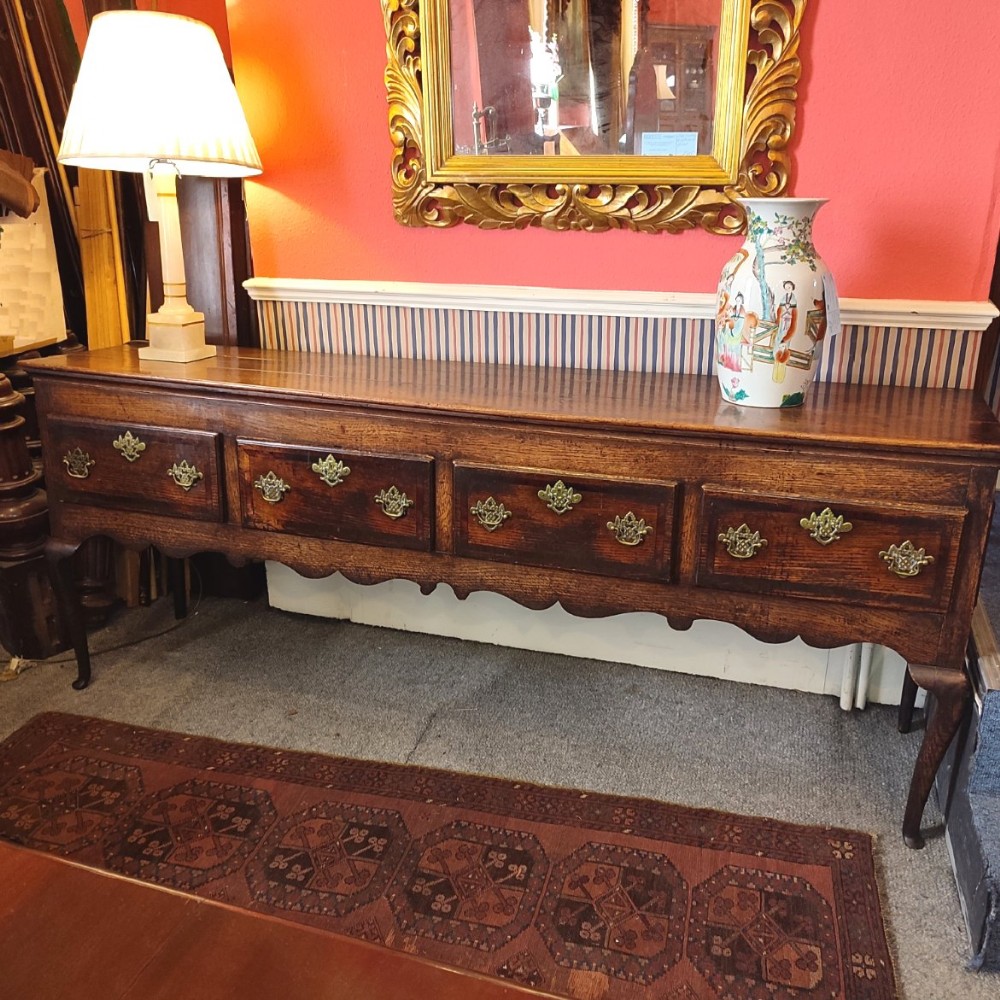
x=756, y=91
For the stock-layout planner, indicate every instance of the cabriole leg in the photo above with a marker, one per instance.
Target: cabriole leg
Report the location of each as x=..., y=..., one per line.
x=951, y=690
x=906, y=702
x=58, y=556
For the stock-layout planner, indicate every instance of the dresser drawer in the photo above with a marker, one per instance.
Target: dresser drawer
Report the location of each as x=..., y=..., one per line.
x=893, y=556
x=350, y=496
x=159, y=470
x=565, y=521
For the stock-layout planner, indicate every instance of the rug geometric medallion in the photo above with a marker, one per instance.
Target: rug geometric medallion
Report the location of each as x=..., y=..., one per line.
x=577, y=894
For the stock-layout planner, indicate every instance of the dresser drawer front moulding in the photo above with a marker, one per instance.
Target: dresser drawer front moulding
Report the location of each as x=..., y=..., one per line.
x=170, y=470
x=581, y=537
x=850, y=567
x=306, y=504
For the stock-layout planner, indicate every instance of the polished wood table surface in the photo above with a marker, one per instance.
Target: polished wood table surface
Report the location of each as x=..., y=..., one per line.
x=70, y=931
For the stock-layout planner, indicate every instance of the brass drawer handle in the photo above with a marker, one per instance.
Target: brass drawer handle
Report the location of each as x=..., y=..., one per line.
x=489, y=513
x=78, y=463
x=559, y=497
x=826, y=527
x=629, y=530
x=741, y=542
x=271, y=487
x=129, y=446
x=331, y=470
x=394, y=502
x=906, y=559
x=184, y=475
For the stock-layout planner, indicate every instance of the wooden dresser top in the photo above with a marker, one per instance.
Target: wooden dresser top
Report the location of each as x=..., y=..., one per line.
x=882, y=418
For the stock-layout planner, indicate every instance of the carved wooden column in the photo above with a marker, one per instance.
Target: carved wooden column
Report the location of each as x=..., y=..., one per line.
x=20, y=381
x=28, y=626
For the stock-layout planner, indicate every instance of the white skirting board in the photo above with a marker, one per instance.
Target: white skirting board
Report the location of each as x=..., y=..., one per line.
x=711, y=649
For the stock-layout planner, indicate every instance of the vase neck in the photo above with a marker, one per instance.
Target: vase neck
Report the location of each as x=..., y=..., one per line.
x=771, y=211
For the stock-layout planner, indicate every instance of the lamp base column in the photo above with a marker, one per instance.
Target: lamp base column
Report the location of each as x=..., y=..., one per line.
x=178, y=338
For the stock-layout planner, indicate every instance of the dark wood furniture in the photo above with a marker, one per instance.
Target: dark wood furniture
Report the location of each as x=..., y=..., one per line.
x=28, y=626
x=685, y=54
x=862, y=515
x=70, y=931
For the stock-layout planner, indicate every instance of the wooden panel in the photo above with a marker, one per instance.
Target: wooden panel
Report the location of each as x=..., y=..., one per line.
x=144, y=484
x=536, y=533
x=346, y=511
x=848, y=568
x=217, y=257
x=101, y=261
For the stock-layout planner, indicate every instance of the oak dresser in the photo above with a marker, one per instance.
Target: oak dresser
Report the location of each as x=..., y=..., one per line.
x=861, y=516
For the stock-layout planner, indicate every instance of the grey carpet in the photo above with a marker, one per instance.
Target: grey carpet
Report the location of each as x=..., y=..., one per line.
x=245, y=672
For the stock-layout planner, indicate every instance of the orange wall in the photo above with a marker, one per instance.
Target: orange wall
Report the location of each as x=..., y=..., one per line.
x=894, y=128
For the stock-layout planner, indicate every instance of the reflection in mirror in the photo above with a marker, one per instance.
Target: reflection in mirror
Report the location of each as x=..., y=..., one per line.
x=583, y=77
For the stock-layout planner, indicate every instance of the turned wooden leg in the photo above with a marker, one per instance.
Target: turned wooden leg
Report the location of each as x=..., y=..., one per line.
x=951, y=691
x=58, y=556
x=907, y=701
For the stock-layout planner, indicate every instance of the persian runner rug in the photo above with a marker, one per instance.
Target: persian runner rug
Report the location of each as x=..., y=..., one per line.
x=576, y=894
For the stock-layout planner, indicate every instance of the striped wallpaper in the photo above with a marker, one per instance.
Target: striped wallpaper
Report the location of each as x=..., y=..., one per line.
x=882, y=355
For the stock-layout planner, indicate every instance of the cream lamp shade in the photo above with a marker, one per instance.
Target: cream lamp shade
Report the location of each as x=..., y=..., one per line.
x=154, y=96
x=153, y=87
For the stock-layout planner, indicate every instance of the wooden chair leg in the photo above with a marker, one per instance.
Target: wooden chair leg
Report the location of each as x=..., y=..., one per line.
x=952, y=691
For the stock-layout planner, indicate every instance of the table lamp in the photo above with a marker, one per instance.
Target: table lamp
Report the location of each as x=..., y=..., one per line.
x=154, y=96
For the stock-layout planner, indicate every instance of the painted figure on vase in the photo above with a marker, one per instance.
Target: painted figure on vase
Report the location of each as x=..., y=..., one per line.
x=731, y=321
x=787, y=316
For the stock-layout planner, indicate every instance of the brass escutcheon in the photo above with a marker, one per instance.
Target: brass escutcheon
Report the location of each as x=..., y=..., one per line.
x=629, y=530
x=394, y=502
x=331, y=470
x=559, y=497
x=129, y=446
x=184, y=475
x=271, y=487
x=906, y=559
x=78, y=463
x=741, y=542
x=489, y=513
x=826, y=527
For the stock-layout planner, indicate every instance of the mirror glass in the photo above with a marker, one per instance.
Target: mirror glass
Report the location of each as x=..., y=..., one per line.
x=583, y=77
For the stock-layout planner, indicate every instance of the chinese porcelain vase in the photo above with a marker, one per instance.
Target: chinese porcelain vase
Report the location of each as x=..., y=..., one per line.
x=774, y=299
